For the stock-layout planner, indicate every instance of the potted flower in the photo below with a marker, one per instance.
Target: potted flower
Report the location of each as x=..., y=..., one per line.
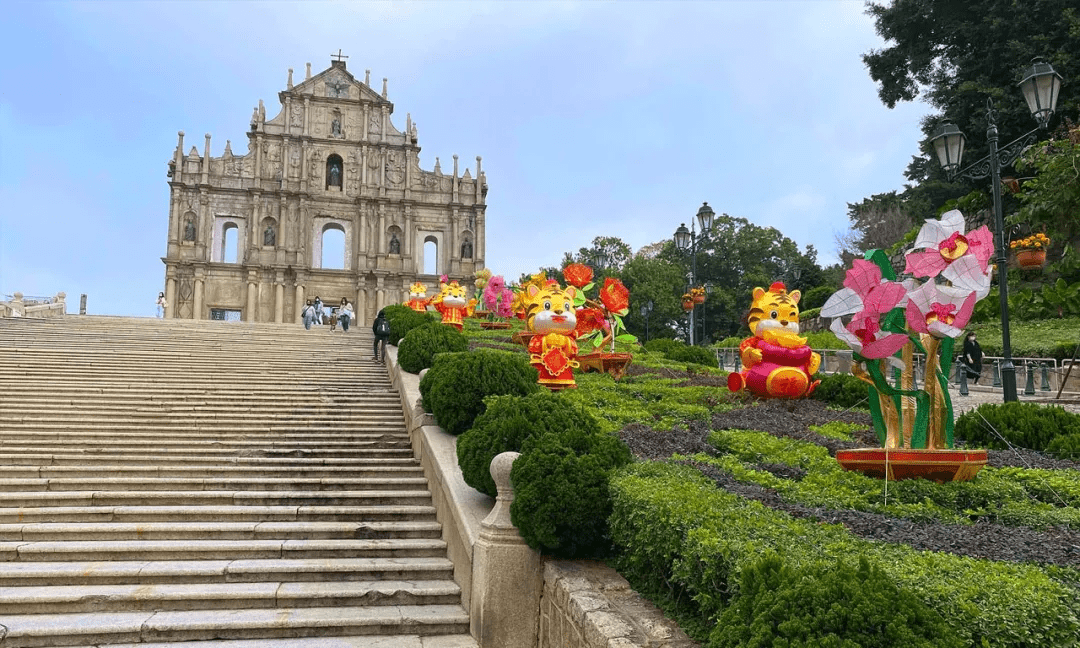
x=698, y=295
x=599, y=321
x=481, y=280
x=886, y=321
x=688, y=302
x=1031, y=251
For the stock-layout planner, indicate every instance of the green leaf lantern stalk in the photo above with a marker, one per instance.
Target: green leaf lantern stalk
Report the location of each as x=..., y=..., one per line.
x=890, y=320
x=600, y=317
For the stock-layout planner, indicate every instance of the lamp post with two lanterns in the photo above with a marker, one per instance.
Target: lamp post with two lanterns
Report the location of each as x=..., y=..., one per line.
x=1040, y=86
x=646, y=308
x=686, y=240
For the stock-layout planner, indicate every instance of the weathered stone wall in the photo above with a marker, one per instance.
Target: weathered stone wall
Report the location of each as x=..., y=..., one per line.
x=589, y=605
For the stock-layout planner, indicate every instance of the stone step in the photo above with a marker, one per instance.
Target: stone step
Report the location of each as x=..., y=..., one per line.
x=209, y=450
x=395, y=641
x=215, y=530
x=110, y=550
x=217, y=570
x=224, y=596
x=207, y=471
x=210, y=497
x=30, y=456
x=29, y=630
x=212, y=512
x=215, y=484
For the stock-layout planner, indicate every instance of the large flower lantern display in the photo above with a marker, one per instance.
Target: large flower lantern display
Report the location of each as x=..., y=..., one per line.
x=777, y=363
x=498, y=302
x=885, y=322
x=599, y=321
x=550, y=316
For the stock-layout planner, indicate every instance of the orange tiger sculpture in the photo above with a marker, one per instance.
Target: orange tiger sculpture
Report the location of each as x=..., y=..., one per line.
x=776, y=361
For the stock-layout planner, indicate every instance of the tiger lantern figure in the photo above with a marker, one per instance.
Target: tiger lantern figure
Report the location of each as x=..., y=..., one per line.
x=453, y=304
x=418, y=297
x=549, y=313
x=776, y=361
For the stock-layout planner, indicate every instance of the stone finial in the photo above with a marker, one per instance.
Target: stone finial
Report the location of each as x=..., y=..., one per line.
x=384, y=88
x=61, y=297
x=308, y=71
x=367, y=78
x=290, y=79
x=499, y=517
x=438, y=167
x=228, y=148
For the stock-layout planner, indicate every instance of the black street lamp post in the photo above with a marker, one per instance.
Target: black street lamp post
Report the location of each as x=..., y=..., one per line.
x=686, y=239
x=1040, y=86
x=645, y=310
x=708, y=292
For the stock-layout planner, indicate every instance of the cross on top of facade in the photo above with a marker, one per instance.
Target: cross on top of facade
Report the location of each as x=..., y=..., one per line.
x=338, y=56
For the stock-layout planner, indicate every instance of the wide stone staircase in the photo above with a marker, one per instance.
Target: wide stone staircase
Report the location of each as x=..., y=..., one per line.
x=205, y=484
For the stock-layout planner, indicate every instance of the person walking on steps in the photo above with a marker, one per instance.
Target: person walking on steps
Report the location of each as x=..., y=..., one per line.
x=344, y=314
x=308, y=314
x=161, y=304
x=972, y=357
x=318, y=310
x=381, y=329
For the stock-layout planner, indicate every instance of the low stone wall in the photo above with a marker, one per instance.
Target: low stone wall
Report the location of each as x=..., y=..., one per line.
x=589, y=605
x=579, y=604
x=36, y=308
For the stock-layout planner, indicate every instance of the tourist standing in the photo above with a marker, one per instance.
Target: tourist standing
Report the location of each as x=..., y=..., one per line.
x=972, y=357
x=318, y=310
x=308, y=314
x=161, y=304
x=381, y=329
x=345, y=314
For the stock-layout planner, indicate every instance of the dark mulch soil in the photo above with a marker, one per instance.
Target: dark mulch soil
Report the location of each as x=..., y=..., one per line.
x=784, y=418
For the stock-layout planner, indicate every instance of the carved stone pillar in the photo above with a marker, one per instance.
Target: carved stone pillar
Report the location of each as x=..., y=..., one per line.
x=279, y=299
x=252, y=294
x=298, y=306
x=196, y=311
x=507, y=575
x=170, y=293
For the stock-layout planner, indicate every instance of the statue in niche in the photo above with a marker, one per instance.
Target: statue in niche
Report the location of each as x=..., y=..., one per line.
x=189, y=230
x=466, y=249
x=335, y=128
x=269, y=236
x=395, y=244
x=335, y=175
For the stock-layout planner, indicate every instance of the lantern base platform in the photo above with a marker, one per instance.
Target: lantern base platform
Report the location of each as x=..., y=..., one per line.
x=522, y=338
x=494, y=325
x=611, y=363
x=906, y=463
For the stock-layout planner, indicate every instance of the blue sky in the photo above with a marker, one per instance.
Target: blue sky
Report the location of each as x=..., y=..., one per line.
x=592, y=118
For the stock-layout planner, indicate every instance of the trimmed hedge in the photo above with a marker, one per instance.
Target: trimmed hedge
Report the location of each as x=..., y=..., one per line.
x=404, y=319
x=680, y=352
x=505, y=424
x=561, y=494
x=828, y=606
x=815, y=297
x=686, y=543
x=841, y=390
x=417, y=349
x=1065, y=447
x=1028, y=425
x=453, y=390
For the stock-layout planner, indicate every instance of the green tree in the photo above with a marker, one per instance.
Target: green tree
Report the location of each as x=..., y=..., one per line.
x=616, y=253
x=1051, y=200
x=876, y=223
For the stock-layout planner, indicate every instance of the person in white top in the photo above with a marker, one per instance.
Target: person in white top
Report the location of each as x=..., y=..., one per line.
x=161, y=304
x=345, y=314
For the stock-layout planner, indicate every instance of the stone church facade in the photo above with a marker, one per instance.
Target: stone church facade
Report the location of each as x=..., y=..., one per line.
x=246, y=232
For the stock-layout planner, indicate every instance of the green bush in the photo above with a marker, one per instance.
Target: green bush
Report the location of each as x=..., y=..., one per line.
x=404, y=319
x=662, y=345
x=505, y=424
x=809, y=314
x=561, y=494
x=828, y=606
x=841, y=390
x=453, y=390
x=417, y=349
x=694, y=355
x=1066, y=446
x=816, y=297
x=1028, y=425
x=685, y=542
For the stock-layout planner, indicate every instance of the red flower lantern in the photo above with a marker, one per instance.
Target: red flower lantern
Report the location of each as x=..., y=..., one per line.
x=589, y=320
x=578, y=275
x=615, y=296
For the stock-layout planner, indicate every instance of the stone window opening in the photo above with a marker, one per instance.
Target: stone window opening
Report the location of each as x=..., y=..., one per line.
x=335, y=171
x=230, y=236
x=431, y=256
x=333, y=247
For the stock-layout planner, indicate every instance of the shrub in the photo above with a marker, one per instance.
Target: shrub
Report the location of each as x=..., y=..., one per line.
x=417, y=349
x=453, y=390
x=816, y=297
x=1065, y=447
x=828, y=605
x=809, y=314
x=841, y=390
x=404, y=319
x=662, y=345
x=1028, y=425
x=561, y=494
x=694, y=355
x=505, y=424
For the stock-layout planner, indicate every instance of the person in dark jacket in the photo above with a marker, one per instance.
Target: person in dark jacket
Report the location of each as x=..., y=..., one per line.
x=381, y=328
x=972, y=357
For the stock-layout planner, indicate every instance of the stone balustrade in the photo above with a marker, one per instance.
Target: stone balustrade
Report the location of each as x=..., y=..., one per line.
x=20, y=306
